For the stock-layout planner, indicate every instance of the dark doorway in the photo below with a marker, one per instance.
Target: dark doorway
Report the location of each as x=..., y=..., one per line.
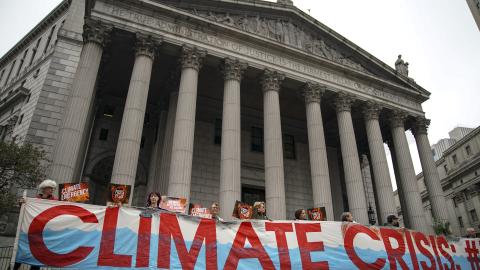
x=251, y=194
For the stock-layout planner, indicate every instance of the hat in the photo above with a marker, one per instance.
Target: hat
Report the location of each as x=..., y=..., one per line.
x=47, y=183
x=391, y=218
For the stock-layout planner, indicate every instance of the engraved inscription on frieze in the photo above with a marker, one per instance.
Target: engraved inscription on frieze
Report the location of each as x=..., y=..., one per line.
x=255, y=52
x=283, y=31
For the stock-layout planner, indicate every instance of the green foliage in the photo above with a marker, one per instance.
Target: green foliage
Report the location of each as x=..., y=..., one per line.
x=21, y=166
x=442, y=228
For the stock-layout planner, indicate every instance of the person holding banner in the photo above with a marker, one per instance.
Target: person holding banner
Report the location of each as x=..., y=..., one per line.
x=301, y=214
x=46, y=190
x=347, y=217
x=259, y=211
x=153, y=200
x=215, y=210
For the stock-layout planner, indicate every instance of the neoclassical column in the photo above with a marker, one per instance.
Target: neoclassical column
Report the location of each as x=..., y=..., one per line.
x=182, y=146
x=430, y=173
x=128, y=145
x=357, y=202
x=69, y=140
x=166, y=156
x=230, y=161
x=383, y=184
x=273, y=147
x=322, y=193
x=408, y=179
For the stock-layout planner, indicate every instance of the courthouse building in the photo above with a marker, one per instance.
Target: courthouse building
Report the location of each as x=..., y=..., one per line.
x=218, y=100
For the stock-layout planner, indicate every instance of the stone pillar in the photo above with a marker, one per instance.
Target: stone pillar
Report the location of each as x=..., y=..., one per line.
x=357, y=203
x=383, y=184
x=182, y=146
x=128, y=145
x=401, y=196
x=166, y=157
x=69, y=140
x=230, y=161
x=273, y=148
x=408, y=179
x=322, y=193
x=155, y=157
x=430, y=173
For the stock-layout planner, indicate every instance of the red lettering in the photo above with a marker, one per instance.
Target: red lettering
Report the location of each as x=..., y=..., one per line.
x=280, y=229
x=106, y=256
x=442, y=244
x=411, y=249
x=35, y=236
x=307, y=247
x=238, y=250
x=169, y=228
x=350, y=234
x=143, y=242
x=420, y=238
x=435, y=250
x=394, y=254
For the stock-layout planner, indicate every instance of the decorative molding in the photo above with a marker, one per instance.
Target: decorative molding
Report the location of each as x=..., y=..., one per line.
x=233, y=69
x=192, y=57
x=371, y=110
x=96, y=31
x=397, y=119
x=271, y=80
x=313, y=92
x=343, y=102
x=420, y=126
x=146, y=45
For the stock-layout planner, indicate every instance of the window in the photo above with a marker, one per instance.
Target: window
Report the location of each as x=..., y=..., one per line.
x=21, y=62
x=455, y=159
x=49, y=39
x=257, y=139
x=10, y=72
x=288, y=146
x=108, y=111
x=468, y=149
x=27, y=99
x=217, y=138
x=34, y=51
x=460, y=222
x=473, y=215
x=1, y=75
x=445, y=168
x=20, y=119
x=103, y=134
x=35, y=75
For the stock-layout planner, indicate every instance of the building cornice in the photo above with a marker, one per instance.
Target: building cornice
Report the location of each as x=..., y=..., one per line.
x=459, y=143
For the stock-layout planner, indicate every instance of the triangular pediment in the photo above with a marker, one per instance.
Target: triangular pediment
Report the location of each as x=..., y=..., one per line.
x=292, y=28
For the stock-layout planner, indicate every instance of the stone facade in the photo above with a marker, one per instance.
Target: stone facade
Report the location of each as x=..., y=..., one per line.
x=219, y=101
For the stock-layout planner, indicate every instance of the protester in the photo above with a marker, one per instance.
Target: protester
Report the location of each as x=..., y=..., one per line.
x=392, y=220
x=153, y=200
x=215, y=210
x=259, y=211
x=301, y=214
x=46, y=188
x=347, y=217
x=471, y=233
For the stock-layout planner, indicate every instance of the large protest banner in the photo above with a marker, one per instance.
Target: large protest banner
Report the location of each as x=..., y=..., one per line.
x=81, y=236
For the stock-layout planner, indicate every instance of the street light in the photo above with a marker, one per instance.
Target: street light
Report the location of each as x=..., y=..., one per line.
x=371, y=215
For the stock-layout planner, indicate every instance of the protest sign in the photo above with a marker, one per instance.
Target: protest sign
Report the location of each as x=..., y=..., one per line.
x=174, y=204
x=119, y=194
x=197, y=210
x=317, y=214
x=73, y=192
x=82, y=236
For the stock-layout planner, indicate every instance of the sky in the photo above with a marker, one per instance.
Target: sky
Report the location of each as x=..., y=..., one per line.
x=439, y=38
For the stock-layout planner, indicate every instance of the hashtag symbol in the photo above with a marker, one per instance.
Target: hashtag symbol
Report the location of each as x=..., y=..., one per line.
x=472, y=253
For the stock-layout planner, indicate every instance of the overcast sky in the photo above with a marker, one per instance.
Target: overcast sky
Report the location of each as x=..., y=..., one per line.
x=438, y=38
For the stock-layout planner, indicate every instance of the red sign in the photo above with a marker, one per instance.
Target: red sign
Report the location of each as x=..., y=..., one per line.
x=74, y=192
x=197, y=210
x=174, y=204
x=119, y=193
x=317, y=214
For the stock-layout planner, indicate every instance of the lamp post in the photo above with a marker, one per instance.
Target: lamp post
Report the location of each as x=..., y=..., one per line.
x=371, y=215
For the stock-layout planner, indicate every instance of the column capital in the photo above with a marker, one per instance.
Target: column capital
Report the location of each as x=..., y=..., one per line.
x=420, y=126
x=397, y=119
x=313, y=92
x=233, y=69
x=96, y=32
x=371, y=110
x=192, y=57
x=145, y=45
x=271, y=80
x=343, y=102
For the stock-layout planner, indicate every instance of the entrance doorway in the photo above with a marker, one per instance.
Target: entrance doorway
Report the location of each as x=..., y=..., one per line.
x=251, y=194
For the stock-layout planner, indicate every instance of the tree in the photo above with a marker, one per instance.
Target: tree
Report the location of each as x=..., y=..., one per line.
x=21, y=166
